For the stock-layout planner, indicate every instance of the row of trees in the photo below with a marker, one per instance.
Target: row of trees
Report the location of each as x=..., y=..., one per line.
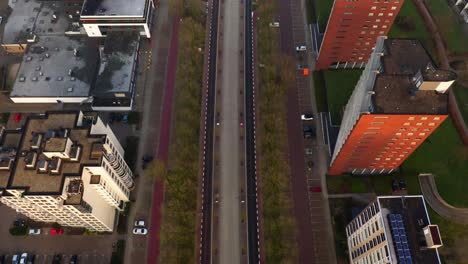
x=178, y=230
x=276, y=74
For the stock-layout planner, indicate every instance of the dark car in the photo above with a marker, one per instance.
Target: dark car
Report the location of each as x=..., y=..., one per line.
x=30, y=259
x=57, y=259
x=394, y=185
x=402, y=184
x=19, y=223
x=74, y=259
x=146, y=160
x=2, y=259
x=309, y=131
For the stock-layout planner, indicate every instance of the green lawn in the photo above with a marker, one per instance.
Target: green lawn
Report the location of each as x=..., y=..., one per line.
x=320, y=91
x=454, y=237
x=322, y=12
x=449, y=25
x=461, y=93
x=410, y=24
x=444, y=155
x=340, y=85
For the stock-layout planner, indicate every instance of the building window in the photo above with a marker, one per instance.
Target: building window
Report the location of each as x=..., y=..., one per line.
x=419, y=124
x=406, y=124
x=377, y=20
x=381, y=32
x=375, y=26
x=371, y=14
x=390, y=14
x=384, y=26
x=422, y=134
x=373, y=8
x=380, y=14
x=348, y=13
x=393, y=7
x=436, y=118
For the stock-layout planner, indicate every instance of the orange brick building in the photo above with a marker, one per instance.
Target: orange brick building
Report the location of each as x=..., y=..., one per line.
x=398, y=102
x=352, y=31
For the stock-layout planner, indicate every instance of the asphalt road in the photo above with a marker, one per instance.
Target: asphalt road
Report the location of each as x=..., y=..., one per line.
x=250, y=147
x=207, y=175
x=228, y=101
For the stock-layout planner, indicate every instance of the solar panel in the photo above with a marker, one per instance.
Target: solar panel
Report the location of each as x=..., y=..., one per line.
x=400, y=239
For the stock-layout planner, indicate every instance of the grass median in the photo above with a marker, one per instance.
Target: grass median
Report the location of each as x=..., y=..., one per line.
x=279, y=227
x=178, y=230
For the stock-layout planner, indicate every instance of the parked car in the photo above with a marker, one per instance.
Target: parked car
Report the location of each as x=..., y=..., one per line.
x=301, y=48
x=57, y=259
x=23, y=258
x=1, y=19
x=140, y=231
x=74, y=259
x=2, y=259
x=308, y=131
x=125, y=119
x=34, y=231
x=307, y=117
x=17, y=117
x=15, y=259
x=315, y=189
x=394, y=185
x=402, y=184
x=30, y=259
x=56, y=231
x=140, y=223
x=146, y=160
x=308, y=151
x=19, y=222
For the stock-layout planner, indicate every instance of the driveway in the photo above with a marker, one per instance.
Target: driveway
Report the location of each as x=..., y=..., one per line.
x=432, y=196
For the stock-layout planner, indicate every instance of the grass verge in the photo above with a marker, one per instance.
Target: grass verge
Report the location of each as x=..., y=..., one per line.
x=278, y=222
x=449, y=25
x=339, y=86
x=178, y=230
x=461, y=93
x=320, y=91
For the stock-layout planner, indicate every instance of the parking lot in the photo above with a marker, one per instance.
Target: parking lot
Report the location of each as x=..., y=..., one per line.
x=89, y=248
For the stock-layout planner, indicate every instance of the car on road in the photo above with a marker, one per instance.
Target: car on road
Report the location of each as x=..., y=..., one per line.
x=19, y=222
x=308, y=151
x=307, y=117
x=274, y=24
x=310, y=164
x=57, y=259
x=140, y=223
x=308, y=131
x=315, y=189
x=125, y=119
x=140, y=231
x=146, y=160
x=17, y=117
x=56, y=231
x=74, y=259
x=34, y=231
x=301, y=48
x=402, y=184
x=1, y=19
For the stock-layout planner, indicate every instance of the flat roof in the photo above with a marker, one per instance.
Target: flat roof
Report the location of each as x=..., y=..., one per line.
x=395, y=91
x=134, y=8
x=9, y=144
x=41, y=18
x=117, y=64
x=47, y=182
x=415, y=218
x=51, y=69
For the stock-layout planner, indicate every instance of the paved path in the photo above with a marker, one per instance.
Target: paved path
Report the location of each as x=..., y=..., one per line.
x=229, y=147
x=315, y=234
x=432, y=196
x=151, y=82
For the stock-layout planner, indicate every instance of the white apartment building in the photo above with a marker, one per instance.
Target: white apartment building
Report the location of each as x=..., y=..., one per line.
x=100, y=17
x=393, y=229
x=65, y=167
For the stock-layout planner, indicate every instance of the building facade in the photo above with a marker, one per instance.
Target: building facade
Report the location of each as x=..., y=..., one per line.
x=389, y=231
x=398, y=102
x=100, y=17
x=65, y=167
x=352, y=31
